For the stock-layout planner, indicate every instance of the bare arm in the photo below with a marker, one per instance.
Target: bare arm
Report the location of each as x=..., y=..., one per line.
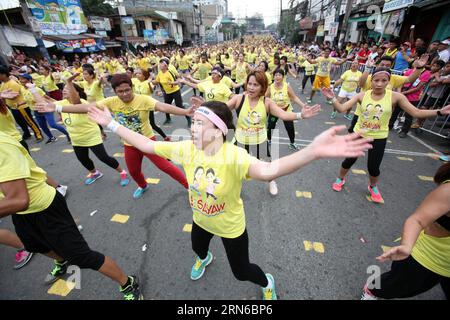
x=168, y=108
x=435, y=205
x=16, y=197
x=327, y=144
x=403, y=103
x=295, y=98
x=343, y=107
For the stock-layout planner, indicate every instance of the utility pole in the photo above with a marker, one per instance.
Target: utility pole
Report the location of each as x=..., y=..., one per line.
x=36, y=33
x=336, y=19
x=122, y=12
x=343, y=29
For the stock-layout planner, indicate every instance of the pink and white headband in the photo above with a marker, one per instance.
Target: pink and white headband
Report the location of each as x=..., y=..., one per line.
x=214, y=118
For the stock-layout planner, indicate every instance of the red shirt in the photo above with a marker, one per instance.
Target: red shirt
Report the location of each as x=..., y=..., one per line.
x=363, y=54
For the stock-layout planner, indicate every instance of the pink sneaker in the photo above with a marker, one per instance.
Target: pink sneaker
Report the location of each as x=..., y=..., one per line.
x=338, y=184
x=375, y=194
x=367, y=295
x=22, y=258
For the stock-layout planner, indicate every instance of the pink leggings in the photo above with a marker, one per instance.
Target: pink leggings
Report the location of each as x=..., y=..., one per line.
x=133, y=159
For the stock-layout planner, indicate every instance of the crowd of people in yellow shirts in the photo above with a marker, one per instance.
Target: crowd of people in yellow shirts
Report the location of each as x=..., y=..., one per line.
x=249, y=78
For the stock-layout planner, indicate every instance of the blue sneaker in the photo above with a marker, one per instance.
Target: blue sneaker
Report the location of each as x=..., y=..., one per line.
x=444, y=158
x=269, y=293
x=198, y=269
x=333, y=115
x=140, y=191
x=349, y=117
x=92, y=177
x=124, y=181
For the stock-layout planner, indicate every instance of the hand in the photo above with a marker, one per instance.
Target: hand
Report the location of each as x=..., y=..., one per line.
x=310, y=111
x=420, y=63
x=102, y=117
x=396, y=253
x=9, y=94
x=45, y=106
x=331, y=145
x=197, y=101
x=328, y=93
x=30, y=85
x=72, y=77
x=446, y=109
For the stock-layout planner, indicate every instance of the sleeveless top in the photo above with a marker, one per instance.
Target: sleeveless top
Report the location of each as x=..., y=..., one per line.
x=374, y=115
x=251, y=123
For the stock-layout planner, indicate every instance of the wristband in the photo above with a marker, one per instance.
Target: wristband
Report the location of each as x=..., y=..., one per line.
x=113, y=126
x=439, y=113
x=299, y=115
x=58, y=108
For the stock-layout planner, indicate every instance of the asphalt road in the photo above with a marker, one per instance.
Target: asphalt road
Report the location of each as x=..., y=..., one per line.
x=350, y=229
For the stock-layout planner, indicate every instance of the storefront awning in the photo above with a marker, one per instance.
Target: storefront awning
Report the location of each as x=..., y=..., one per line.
x=20, y=38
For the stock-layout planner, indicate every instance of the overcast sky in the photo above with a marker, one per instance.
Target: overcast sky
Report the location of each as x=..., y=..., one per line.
x=270, y=9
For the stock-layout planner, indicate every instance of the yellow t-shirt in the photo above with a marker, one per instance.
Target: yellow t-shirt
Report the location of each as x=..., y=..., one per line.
x=38, y=79
x=373, y=121
x=225, y=80
x=15, y=164
x=309, y=68
x=141, y=87
x=183, y=63
x=83, y=132
x=29, y=98
x=215, y=184
x=49, y=84
x=215, y=91
x=94, y=91
x=134, y=114
x=8, y=125
x=16, y=87
x=324, y=66
x=351, y=80
x=251, y=124
x=164, y=78
x=203, y=70
x=280, y=96
x=241, y=72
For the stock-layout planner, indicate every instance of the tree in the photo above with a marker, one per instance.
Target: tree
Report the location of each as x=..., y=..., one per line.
x=97, y=8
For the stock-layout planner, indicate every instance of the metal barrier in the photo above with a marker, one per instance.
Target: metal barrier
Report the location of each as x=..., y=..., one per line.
x=439, y=125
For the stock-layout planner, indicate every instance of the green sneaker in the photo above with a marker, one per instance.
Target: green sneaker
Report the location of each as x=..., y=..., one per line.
x=58, y=271
x=269, y=293
x=198, y=269
x=132, y=291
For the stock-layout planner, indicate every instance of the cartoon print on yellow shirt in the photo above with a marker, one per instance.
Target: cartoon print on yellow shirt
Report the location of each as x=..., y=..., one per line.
x=131, y=121
x=205, y=179
x=372, y=116
x=253, y=118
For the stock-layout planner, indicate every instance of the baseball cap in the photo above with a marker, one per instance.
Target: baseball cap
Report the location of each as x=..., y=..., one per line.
x=26, y=76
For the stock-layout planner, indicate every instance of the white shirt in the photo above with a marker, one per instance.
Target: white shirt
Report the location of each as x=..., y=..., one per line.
x=444, y=55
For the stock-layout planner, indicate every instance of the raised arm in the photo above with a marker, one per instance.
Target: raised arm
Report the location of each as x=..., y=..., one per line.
x=307, y=112
x=435, y=205
x=103, y=118
x=342, y=107
x=168, y=108
x=326, y=145
x=418, y=64
x=295, y=98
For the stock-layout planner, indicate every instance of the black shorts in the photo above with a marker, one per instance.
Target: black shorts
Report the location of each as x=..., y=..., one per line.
x=54, y=229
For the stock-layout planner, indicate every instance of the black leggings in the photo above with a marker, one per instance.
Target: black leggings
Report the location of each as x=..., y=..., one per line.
x=82, y=154
x=237, y=253
x=175, y=96
x=289, y=125
x=375, y=156
x=305, y=80
x=408, y=278
x=25, y=145
x=154, y=125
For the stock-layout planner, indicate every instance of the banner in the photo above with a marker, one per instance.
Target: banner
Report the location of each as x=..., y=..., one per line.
x=58, y=17
x=82, y=45
x=320, y=31
x=159, y=36
x=390, y=5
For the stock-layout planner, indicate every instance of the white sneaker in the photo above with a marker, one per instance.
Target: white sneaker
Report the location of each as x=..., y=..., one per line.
x=366, y=295
x=62, y=189
x=273, y=189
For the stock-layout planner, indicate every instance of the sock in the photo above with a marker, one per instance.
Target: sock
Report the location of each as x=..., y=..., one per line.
x=127, y=284
x=270, y=283
x=123, y=174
